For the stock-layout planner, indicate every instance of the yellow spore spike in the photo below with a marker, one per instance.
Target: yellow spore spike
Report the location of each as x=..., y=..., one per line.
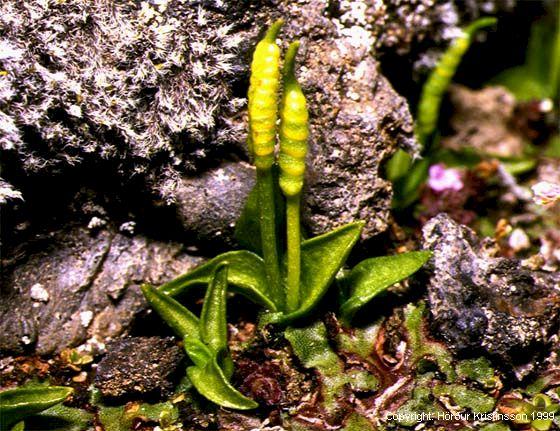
x=440, y=78
x=263, y=98
x=294, y=129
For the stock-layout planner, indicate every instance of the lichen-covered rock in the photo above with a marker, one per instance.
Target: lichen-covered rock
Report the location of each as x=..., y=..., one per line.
x=480, y=302
x=138, y=367
x=73, y=286
x=148, y=81
x=422, y=29
x=157, y=87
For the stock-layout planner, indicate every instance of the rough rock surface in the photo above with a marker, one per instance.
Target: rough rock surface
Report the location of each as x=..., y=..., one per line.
x=357, y=119
x=159, y=87
x=212, y=202
x=480, y=302
x=138, y=367
x=484, y=120
x=79, y=286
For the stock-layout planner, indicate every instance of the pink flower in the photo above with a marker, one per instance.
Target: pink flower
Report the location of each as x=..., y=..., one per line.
x=442, y=178
x=545, y=193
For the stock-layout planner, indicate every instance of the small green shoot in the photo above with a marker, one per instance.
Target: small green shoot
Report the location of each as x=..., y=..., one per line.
x=406, y=174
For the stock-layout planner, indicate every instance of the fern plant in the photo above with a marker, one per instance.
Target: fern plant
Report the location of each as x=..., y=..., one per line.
x=205, y=340
x=288, y=282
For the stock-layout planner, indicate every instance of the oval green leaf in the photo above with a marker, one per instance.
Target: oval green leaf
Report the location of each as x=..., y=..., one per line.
x=212, y=384
x=246, y=275
x=372, y=276
x=183, y=322
x=16, y=404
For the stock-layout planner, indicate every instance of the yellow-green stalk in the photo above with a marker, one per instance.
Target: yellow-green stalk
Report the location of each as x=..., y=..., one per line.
x=294, y=132
x=263, y=114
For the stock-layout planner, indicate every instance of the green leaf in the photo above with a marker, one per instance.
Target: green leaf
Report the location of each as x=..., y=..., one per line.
x=246, y=275
x=20, y=426
x=519, y=166
x=321, y=258
x=553, y=147
x=519, y=81
x=398, y=165
x=211, y=382
x=16, y=404
x=247, y=228
x=406, y=189
x=60, y=418
x=468, y=157
x=213, y=324
x=198, y=352
x=372, y=276
x=183, y=322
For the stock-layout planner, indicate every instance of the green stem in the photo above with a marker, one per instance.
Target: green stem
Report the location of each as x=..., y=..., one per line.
x=267, y=215
x=294, y=252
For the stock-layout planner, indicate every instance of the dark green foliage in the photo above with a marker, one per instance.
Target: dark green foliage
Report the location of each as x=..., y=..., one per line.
x=60, y=418
x=539, y=77
x=17, y=404
x=205, y=339
x=372, y=276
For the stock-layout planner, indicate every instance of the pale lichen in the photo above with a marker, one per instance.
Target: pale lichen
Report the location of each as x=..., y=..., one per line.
x=148, y=81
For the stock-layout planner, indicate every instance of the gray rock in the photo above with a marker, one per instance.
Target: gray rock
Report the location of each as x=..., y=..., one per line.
x=74, y=286
x=357, y=119
x=138, y=367
x=211, y=203
x=482, y=303
x=422, y=29
x=164, y=96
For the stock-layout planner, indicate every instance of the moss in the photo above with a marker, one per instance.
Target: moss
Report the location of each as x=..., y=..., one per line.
x=495, y=427
x=423, y=348
x=362, y=381
x=312, y=348
x=421, y=403
x=60, y=417
x=355, y=422
x=478, y=370
x=360, y=341
x=464, y=397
